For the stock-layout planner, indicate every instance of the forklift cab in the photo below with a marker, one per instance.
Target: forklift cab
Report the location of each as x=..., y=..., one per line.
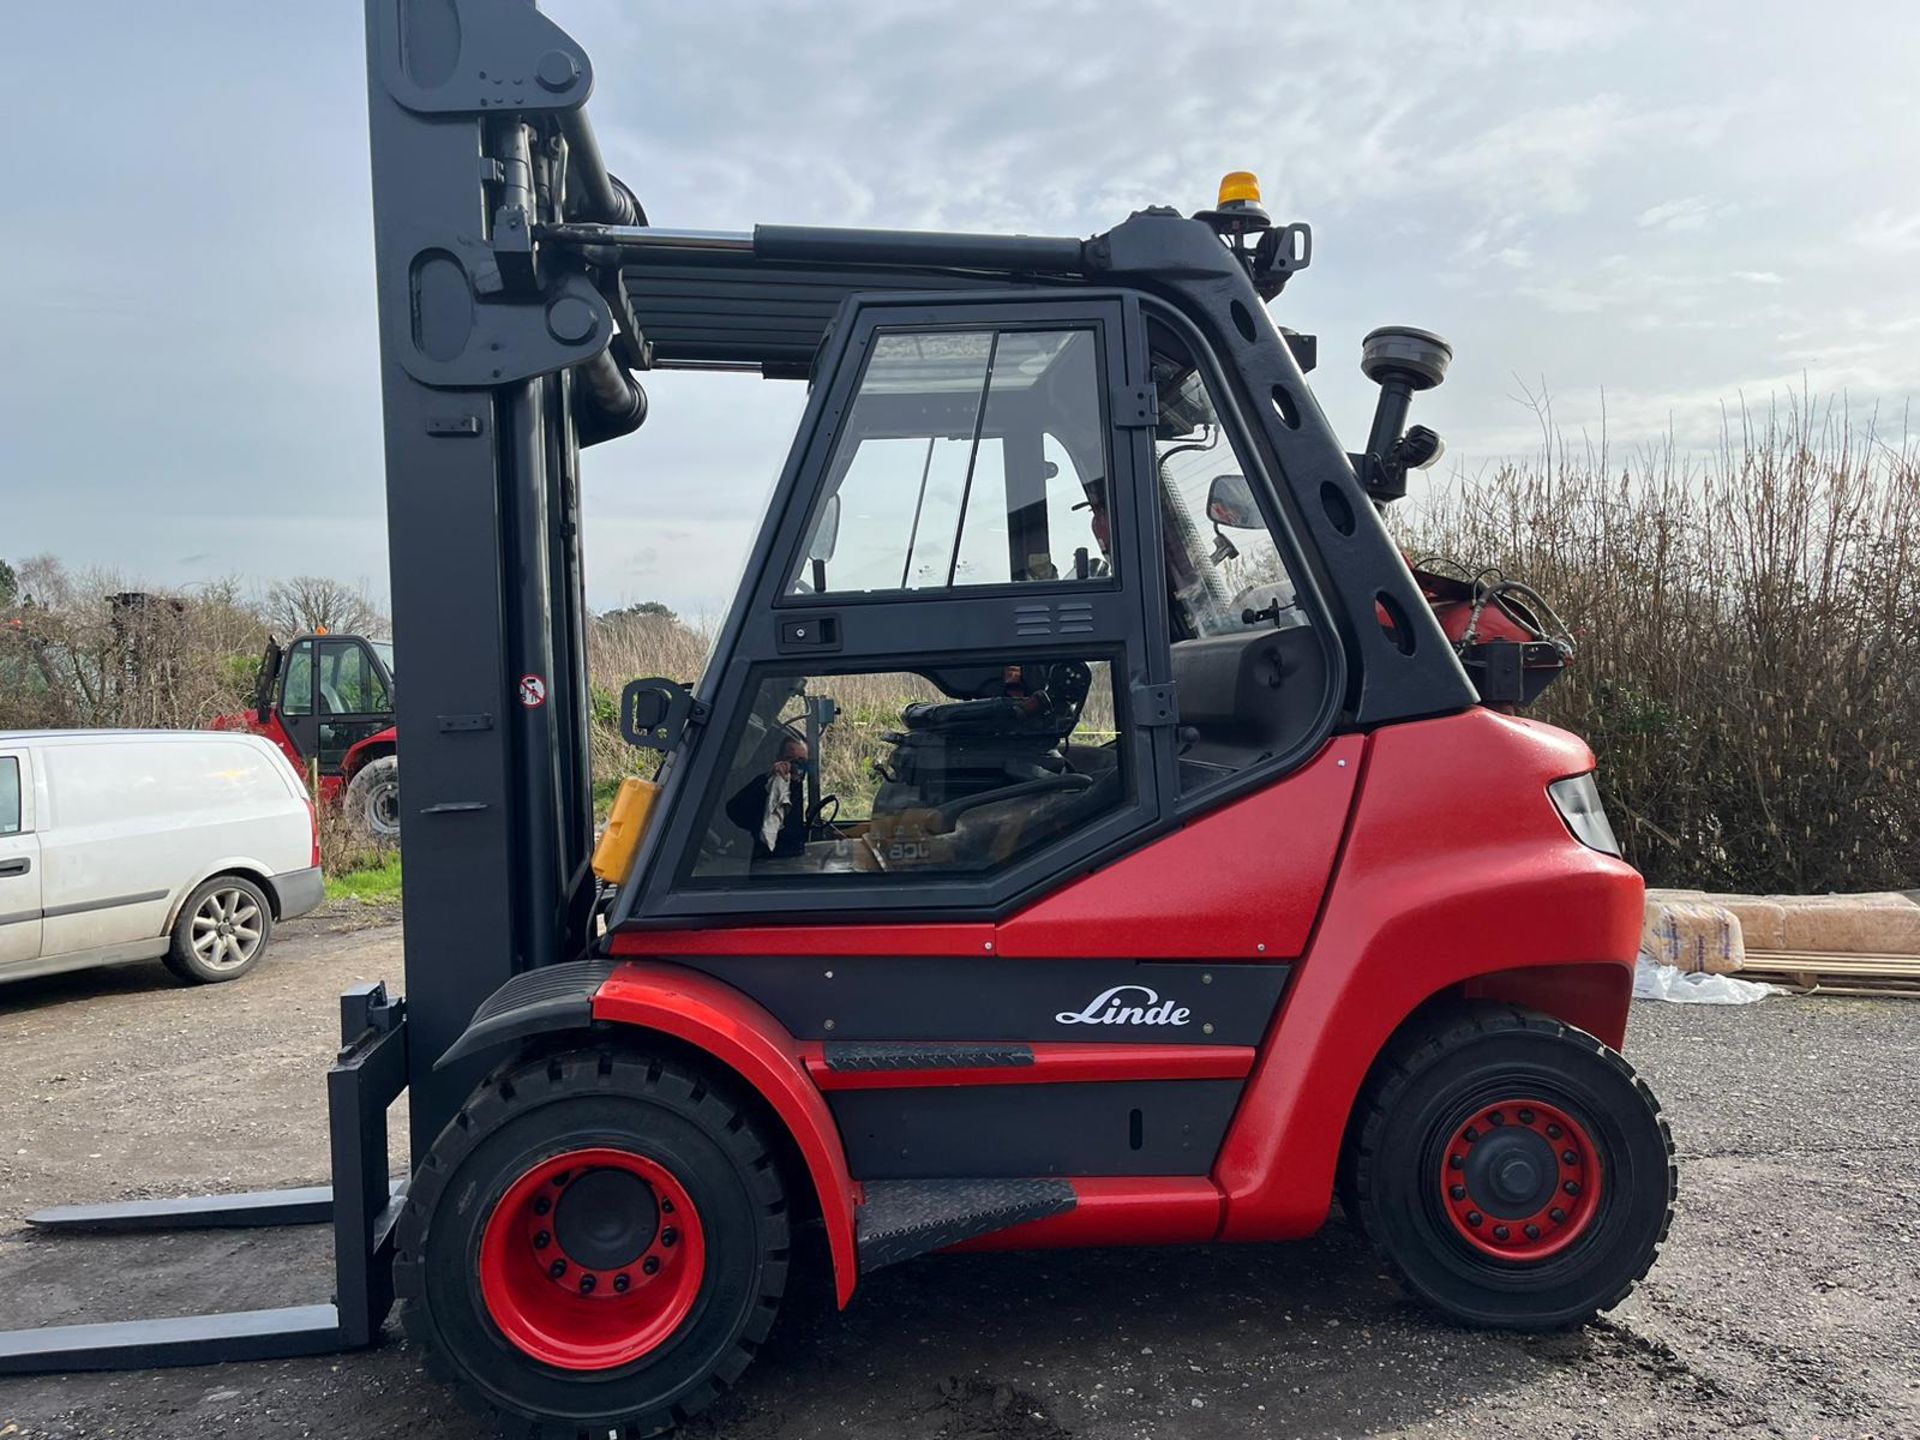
x=1011, y=533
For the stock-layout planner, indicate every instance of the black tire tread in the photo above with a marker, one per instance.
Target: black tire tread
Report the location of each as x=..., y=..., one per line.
x=531, y=1080
x=1399, y=1070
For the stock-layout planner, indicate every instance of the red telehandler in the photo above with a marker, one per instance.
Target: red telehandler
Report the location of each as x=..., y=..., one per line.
x=1088, y=831
x=327, y=701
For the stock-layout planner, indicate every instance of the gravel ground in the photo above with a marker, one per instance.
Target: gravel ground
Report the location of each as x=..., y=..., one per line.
x=1788, y=1302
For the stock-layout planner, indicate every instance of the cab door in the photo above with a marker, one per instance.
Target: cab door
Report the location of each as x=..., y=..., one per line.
x=353, y=699
x=934, y=690
x=20, y=903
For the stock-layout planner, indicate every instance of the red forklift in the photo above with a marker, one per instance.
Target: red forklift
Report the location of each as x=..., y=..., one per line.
x=1088, y=831
x=327, y=701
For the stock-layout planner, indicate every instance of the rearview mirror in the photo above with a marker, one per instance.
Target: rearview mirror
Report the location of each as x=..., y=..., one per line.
x=1230, y=502
x=826, y=534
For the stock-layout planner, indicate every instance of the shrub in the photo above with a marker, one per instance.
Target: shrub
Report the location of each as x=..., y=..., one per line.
x=1747, y=627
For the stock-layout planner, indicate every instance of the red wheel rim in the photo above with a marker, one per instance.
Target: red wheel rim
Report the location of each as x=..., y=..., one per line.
x=1520, y=1180
x=592, y=1259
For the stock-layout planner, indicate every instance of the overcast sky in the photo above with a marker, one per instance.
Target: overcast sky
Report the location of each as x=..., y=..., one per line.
x=1651, y=209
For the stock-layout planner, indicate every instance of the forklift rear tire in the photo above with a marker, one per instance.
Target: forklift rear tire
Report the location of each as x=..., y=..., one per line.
x=1513, y=1171
x=596, y=1245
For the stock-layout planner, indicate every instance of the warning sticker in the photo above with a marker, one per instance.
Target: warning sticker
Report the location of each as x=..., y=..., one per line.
x=533, y=691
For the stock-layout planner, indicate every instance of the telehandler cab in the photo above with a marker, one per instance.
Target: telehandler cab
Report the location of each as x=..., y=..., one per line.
x=1088, y=831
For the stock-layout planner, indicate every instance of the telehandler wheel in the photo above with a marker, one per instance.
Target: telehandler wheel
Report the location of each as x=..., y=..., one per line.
x=597, y=1245
x=1513, y=1171
x=372, y=801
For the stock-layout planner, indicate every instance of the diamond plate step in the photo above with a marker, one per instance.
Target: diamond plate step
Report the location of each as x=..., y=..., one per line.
x=905, y=1218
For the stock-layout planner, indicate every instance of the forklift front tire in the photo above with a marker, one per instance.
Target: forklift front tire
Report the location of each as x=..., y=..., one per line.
x=596, y=1245
x=1513, y=1171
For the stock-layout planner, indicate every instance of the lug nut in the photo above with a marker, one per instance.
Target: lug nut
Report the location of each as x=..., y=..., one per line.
x=1526, y=1117
x=1474, y=1217
x=562, y=1178
x=1500, y=1232
x=1557, y=1215
x=1456, y=1162
x=542, y=1205
x=1497, y=1118
x=669, y=1237
x=1554, y=1132
x=1471, y=1135
x=1532, y=1232
x=1458, y=1192
x=542, y=1240
x=1570, y=1157
x=666, y=1207
x=621, y=1282
x=651, y=1265
x=557, y=1269
x=587, y=1282
x=1572, y=1187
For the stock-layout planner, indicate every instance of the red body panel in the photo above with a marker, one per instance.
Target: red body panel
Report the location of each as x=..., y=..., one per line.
x=739, y=1034
x=1242, y=882
x=1120, y=1210
x=381, y=742
x=1054, y=1063
x=880, y=939
x=1456, y=866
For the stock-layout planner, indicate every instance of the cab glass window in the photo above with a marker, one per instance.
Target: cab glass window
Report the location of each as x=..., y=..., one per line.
x=1247, y=668
x=954, y=770
x=973, y=457
x=9, y=795
x=297, y=697
x=349, y=685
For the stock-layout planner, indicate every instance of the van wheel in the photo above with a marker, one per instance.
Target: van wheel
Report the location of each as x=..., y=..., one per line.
x=222, y=931
x=1514, y=1171
x=373, y=799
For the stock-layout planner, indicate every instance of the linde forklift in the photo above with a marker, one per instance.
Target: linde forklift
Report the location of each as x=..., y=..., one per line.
x=1088, y=831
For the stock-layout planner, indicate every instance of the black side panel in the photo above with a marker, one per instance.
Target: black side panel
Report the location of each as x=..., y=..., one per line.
x=919, y=998
x=1140, y=1127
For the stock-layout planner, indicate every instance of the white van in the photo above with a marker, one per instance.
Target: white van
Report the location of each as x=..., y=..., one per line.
x=120, y=845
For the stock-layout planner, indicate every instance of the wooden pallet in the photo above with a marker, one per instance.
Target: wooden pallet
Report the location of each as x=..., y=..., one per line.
x=1835, y=974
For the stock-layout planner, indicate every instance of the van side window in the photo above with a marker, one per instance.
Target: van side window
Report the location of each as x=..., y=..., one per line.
x=298, y=695
x=9, y=795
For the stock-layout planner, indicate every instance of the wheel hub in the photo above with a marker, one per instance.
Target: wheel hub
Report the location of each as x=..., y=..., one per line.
x=592, y=1259
x=1520, y=1180
x=606, y=1219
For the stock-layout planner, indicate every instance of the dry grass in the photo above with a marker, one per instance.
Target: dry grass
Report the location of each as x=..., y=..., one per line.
x=1749, y=630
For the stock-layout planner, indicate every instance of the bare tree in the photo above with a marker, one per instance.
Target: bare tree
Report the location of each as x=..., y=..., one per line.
x=308, y=603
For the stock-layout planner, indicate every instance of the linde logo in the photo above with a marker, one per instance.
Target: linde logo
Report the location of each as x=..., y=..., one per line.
x=1127, y=1005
